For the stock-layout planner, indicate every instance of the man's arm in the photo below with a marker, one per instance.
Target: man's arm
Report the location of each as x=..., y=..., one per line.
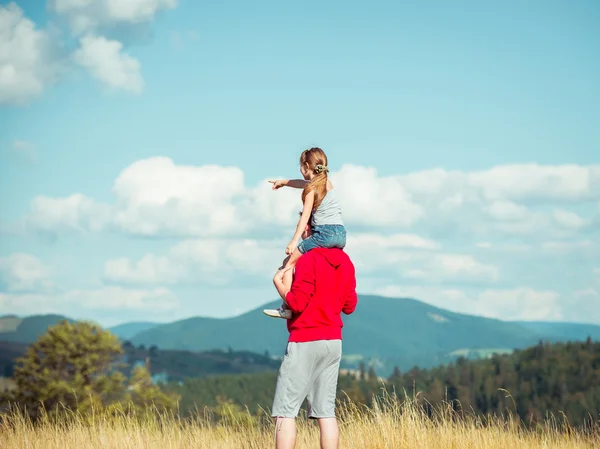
x=351, y=298
x=302, y=289
x=350, y=303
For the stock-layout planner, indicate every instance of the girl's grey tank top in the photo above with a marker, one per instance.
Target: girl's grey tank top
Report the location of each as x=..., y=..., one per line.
x=329, y=211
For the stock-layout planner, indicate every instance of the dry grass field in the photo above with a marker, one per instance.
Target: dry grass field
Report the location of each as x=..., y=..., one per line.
x=390, y=424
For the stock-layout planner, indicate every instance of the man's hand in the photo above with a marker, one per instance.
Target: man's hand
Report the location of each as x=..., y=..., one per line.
x=277, y=183
x=290, y=248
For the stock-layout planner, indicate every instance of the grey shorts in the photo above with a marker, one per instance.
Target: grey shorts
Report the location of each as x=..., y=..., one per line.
x=309, y=370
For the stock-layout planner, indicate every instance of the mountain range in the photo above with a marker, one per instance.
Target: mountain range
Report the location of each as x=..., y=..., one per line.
x=384, y=331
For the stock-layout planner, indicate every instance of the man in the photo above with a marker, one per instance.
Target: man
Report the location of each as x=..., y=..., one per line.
x=321, y=288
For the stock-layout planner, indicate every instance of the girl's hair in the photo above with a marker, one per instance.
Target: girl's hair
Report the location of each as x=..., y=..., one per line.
x=317, y=162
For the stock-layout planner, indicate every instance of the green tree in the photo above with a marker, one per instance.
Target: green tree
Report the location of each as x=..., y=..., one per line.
x=72, y=366
x=75, y=366
x=142, y=393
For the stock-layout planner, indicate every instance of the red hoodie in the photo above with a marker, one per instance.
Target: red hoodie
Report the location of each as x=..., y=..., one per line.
x=324, y=286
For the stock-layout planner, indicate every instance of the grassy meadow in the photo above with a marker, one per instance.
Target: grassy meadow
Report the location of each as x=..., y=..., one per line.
x=390, y=423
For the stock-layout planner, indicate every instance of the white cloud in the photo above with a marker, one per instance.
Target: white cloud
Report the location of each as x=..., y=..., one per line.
x=118, y=298
x=585, y=302
x=504, y=200
x=586, y=293
x=179, y=39
x=503, y=247
x=460, y=267
x=468, y=231
x=567, y=246
x=519, y=304
x=368, y=199
x=507, y=211
x=176, y=39
x=106, y=62
x=447, y=298
x=90, y=15
x=23, y=272
x=537, y=182
x=393, y=241
x=156, y=197
x=150, y=269
x=30, y=304
x=569, y=220
x=74, y=213
x=516, y=183
x=585, y=305
x=23, y=150
x=412, y=257
x=147, y=301
x=28, y=289
x=30, y=59
x=220, y=261
x=508, y=304
x=206, y=261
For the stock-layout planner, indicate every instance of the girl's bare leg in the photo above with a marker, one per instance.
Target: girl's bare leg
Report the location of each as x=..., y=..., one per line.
x=288, y=278
x=290, y=261
x=288, y=265
x=284, y=263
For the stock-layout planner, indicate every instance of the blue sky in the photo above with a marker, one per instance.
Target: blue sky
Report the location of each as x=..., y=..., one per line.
x=136, y=140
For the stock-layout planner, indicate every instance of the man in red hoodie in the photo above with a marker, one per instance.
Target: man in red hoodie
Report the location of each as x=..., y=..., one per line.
x=322, y=287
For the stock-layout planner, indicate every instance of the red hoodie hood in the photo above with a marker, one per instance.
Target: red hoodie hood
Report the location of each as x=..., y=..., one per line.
x=334, y=256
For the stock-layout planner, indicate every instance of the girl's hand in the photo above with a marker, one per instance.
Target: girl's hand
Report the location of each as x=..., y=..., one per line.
x=290, y=248
x=277, y=184
x=279, y=275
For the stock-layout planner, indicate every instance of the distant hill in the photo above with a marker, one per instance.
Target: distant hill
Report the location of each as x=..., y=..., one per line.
x=167, y=365
x=385, y=332
x=126, y=331
x=397, y=331
x=556, y=331
x=252, y=331
x=27, y=330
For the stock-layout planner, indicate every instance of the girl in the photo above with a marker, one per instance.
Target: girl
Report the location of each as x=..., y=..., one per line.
x=321, y=208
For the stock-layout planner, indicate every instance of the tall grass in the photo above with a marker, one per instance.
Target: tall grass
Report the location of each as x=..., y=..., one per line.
x=389, y=423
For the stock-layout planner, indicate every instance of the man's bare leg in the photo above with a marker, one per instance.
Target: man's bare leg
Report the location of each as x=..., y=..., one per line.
x=285, y=433
x=330, y=433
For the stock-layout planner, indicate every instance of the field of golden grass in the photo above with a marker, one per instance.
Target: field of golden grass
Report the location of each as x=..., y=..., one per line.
x=390, y=424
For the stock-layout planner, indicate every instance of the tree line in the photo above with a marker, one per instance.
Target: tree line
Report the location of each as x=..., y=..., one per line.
x=80, y=366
